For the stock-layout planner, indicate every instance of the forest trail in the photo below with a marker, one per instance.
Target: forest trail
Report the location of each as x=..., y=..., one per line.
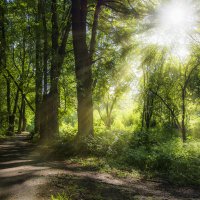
x=24, y=177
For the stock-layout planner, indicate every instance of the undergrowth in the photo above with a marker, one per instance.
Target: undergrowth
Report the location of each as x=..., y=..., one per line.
x=125, y=154
x=145, y=153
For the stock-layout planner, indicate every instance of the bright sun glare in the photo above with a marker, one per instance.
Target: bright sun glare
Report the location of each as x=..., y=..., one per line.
x=175, y=22
x=173, y=15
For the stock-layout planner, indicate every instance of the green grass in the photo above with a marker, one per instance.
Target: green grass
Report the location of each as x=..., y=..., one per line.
x=62, y=196
x=172, y=160
x=103, y=165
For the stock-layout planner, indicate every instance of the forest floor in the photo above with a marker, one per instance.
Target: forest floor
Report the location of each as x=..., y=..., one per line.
x=24, y=175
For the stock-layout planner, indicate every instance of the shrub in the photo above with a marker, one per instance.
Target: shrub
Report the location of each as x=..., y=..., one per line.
x=174, y=160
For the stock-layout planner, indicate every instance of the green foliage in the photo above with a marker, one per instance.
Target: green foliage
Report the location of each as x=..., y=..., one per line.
x=67, y=130
x=154, y=153
x=62, y=196
x=178, y=162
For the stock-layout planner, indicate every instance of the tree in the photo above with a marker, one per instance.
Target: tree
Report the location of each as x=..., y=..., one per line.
x=50, y=102
x=84, y=57
x=83, y=65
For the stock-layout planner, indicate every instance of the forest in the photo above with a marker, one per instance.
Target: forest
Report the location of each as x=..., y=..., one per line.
x=110, y=86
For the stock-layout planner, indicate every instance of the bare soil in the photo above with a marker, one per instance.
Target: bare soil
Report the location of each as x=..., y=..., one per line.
x=24, y=175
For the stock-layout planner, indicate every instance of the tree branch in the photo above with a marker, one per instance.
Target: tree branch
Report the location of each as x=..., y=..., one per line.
x=24, y=96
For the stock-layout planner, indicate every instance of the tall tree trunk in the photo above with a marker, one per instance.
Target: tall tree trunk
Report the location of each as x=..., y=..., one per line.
x=21, y=115
x=183, y=128
x=44, y=128
x=24, y=122
x=83, y=70
x=12, y=117
x=8, y=105
x=39, y=72
x=143, y=116
x=52, y=97
x=51, y=101
x=147, y=113
x=45, y=47
x=149, y=109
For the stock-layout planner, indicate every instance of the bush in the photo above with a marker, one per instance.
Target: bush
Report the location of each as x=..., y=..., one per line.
x=174, y=160
x=155, y=153
x=100, y=145
x=67, y=130
x=184, y=162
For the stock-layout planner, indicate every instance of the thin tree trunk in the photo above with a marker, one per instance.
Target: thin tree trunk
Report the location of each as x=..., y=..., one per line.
x=143, y=116
x=44, y=128
x=12, y=117
x=183, y=128
x=39, y=72
x=94, y=28
x=45, y=47
x=21, y=115
x=24, y=122
x=8, y=105
x=147, y=113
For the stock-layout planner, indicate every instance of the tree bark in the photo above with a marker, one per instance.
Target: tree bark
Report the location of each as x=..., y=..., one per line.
x=39, y=72
x=8, y=105
x=183, y=128
x=20, y=122
x=44, y=128
x=83, y=69
x=50, y=103
x=52, y=97
x=24, y=121
x=12, y=116
x=45, y=47
x=148, y=109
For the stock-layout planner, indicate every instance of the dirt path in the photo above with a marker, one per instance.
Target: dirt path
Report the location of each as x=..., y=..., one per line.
x=24, y=177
